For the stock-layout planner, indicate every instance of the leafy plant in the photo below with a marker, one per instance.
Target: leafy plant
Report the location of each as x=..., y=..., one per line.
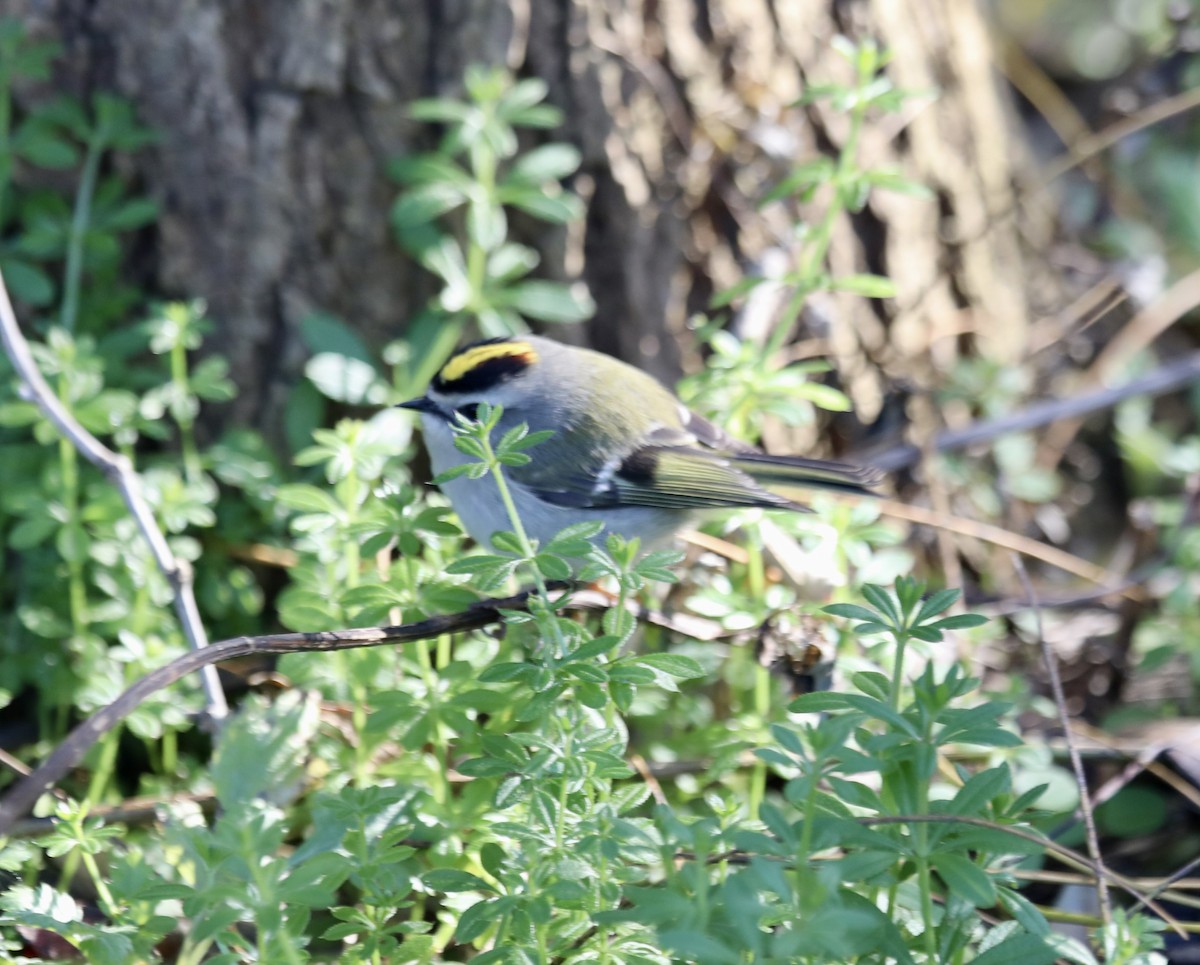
x=454, y=217
x=583, y=788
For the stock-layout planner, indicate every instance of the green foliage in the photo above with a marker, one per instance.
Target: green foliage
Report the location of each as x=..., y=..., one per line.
x=87, y=611
x=489, y=796
x=470, y=184
x=40, y=228
x=453, y=217
x=744, y=382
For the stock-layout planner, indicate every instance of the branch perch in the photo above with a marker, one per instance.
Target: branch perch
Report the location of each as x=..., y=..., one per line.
x=120, y=472
x=24, y=794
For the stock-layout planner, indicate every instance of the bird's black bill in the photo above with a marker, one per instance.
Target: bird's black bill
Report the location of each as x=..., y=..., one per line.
x=419, y=405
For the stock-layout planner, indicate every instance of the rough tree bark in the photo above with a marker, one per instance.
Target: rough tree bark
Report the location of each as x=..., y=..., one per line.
x=279, y=116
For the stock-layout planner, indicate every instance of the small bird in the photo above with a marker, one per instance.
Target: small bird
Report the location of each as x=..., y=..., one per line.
x=625, y=450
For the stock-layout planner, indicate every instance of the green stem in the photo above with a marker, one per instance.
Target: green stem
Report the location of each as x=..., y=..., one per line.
x=898, y=669
x=80, y=217
x=925, y=884
x=6, y=57
x=102, y=892
x=812, y=257
x=441, y=747
x=97, y=784
x=187, y=437
x=560, y=824
x=527, y=550
x=485, y=181
x=76, y=588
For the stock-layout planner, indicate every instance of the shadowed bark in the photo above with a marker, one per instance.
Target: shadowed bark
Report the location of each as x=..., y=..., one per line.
x=278, y=118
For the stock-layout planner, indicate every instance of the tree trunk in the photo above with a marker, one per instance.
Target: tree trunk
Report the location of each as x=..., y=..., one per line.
x=278, y=118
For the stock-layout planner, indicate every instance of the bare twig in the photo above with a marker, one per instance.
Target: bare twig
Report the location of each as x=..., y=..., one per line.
x=1060, y=701
x=1062, y=852
x=1006, y=539
x=1083, y=150
x=120, y=472
x=25, y=792
x=1168, y=378
x=1137, y=334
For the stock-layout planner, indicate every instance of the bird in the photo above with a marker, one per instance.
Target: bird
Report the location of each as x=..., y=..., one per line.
x=625, y=451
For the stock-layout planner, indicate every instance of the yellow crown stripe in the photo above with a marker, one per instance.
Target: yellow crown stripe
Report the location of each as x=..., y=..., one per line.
x=472, y=358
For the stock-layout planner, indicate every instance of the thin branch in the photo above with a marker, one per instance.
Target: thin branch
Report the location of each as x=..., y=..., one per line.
x=70, y=752
x=1060, y=701
x=1137, y=334
x=1006, y=539
x=120, y=472
x=1060, y=851
x=1089, y=147
x=1168, y=378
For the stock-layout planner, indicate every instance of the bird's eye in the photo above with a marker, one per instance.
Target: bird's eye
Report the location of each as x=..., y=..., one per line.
x=469, y=411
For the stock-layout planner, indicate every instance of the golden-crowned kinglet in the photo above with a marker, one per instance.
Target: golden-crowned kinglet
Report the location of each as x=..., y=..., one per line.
x=625, y=451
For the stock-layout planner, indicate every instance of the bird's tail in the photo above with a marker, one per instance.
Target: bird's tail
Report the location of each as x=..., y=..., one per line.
x=785, y=472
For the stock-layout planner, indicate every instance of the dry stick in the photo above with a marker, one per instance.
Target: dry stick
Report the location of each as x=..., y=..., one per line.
x=70, y=752
x=1168, y=378
x=1078, y=154
x=1143, y=759
x=120, y=472
x=1060, y=701
x=1137, y=334
x=1062, y=852
x=1012, y=541
x=1083, y=151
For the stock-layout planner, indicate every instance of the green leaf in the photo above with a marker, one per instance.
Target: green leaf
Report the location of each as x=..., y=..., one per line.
x=505, y=672
x=965, y=879
x=727, y=296
x=801, y=178
x=550, y=301
x=510, y=262
x=550, y=162
x=345, y=379
x=677, y=665
x=879, y=598
x=870, y=286
x=556, y=209
x=552, y=567
x=26, y=281
x=1018, y=949
x=521, y=96
x=936, y=603
x=477, y=564
x=587, y=672
x=507, y=542
x=980, y=789
x=890, y=180
x=479, y=918
x=487, y=225
x=449, y=880
x=130, y=214
x=960, y=621
x=539, y=115
x=439, y=109
x=39, y=143
x=574, y=540
x=307, y=499
x=429, y=169
x=851, y=611
x=423, y=204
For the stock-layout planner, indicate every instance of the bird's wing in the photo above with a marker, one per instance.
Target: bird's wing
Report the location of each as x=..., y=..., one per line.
x=669, y=471
x=694, y=465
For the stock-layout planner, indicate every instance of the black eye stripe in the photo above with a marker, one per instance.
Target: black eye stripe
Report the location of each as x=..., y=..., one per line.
x=484, y=365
